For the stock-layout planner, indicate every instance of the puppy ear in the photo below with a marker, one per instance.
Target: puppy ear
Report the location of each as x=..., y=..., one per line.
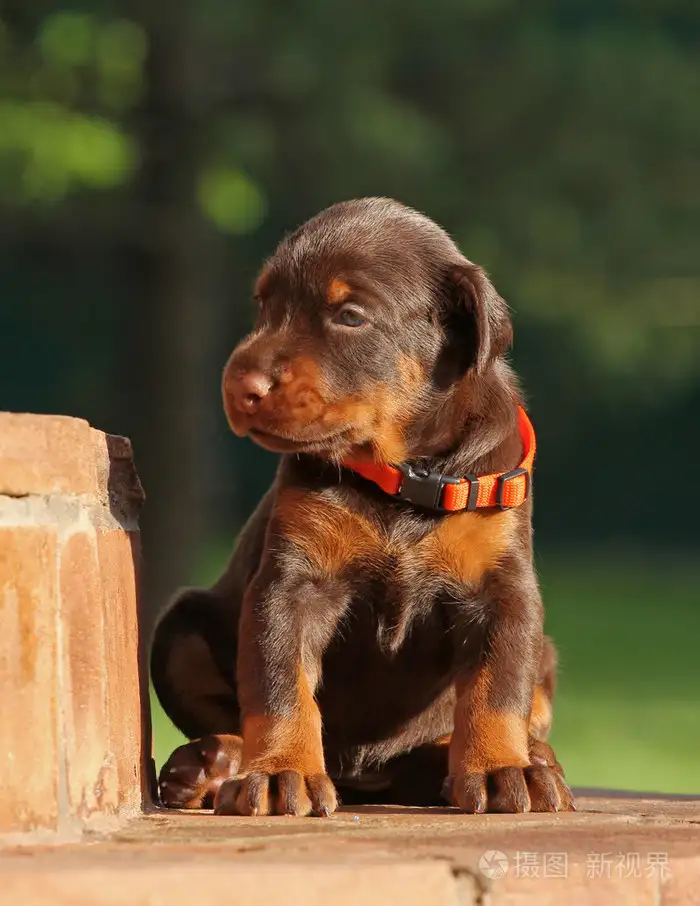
x=473, y=297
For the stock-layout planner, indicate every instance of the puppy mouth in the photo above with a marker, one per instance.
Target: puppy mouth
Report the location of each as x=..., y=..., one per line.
x=279, y=443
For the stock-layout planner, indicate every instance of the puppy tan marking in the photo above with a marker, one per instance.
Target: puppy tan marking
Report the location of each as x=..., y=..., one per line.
x=330, y=536
x=338, y=291
x=541, y=714
x=273, y=743
x=465, y=545
x=484, y=738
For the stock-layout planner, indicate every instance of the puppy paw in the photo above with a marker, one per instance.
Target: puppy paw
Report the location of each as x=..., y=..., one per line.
x=540, y=787
x=549, y=791
x=281, y=793
x=192, y=775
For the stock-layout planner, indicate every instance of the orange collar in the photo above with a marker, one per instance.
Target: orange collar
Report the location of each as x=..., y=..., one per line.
x=446, y=493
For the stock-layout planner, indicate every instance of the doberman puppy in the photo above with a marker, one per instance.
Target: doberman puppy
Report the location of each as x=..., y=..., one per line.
x=378, y=631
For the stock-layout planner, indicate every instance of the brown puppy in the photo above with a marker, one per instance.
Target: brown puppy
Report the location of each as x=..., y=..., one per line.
x=361, y=632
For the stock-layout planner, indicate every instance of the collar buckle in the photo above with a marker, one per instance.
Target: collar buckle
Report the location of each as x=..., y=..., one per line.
x=501, y=488
x=424, y=488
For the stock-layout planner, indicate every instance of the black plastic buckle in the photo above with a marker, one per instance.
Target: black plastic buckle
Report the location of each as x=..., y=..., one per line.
x=501, y=487
x=424, y=488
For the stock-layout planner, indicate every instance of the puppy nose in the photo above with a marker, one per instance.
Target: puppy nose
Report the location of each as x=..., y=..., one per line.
x=249, y=389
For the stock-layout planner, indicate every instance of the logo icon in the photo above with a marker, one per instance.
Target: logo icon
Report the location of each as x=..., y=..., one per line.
x=493, y=864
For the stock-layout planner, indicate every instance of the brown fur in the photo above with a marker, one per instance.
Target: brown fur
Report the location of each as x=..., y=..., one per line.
x=354, y=635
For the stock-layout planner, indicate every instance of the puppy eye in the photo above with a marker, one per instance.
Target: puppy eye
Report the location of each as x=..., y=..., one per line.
x=349, y=316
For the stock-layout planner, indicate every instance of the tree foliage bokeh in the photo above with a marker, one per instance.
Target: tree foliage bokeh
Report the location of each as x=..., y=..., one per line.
x=152, y=154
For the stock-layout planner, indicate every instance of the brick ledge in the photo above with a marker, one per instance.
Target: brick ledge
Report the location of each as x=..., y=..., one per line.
x=372, y=855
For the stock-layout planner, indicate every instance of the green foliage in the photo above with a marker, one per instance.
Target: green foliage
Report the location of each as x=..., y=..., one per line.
x=60, y=94
x=48, y=150
x=231, y=200
x=560, y=147
x=629, y=722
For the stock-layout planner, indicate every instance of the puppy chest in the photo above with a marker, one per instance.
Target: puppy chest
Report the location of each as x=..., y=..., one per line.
x=404, y=554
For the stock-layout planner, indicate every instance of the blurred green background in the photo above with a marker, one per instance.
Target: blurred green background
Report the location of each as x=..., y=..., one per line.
x=152, y=154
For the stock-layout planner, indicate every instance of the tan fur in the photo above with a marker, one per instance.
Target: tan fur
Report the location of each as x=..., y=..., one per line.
x=330, y=537
x=541, y=714
x=272, y=743
x=382, y=414
x=485, y=739
x=394, y=410
x=466, y=545
x=338, y=291
x=463, y=546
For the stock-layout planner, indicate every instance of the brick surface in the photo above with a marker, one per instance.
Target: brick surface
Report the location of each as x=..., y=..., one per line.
x=119, y=487
x=46, y=455
x=373, y=856
x=91, y=770
x=294, y=885
x=682, y=885
x=72, y=731
x=121, y=638
x=28, y=726
x=578, y=888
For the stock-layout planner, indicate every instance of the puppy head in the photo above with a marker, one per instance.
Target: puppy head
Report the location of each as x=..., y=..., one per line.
x=369, y=316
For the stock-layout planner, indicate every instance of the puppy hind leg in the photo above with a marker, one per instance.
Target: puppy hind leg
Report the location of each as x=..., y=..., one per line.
x=193, y=657
x=192, y=646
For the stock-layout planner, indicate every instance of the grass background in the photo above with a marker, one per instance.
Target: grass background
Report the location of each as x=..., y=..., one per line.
x=627, y=627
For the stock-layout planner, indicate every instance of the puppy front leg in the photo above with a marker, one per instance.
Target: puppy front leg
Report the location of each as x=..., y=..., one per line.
x=493, y=765
x=279, y=655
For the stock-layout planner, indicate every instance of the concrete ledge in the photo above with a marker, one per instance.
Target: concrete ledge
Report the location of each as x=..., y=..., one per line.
x=72, y=728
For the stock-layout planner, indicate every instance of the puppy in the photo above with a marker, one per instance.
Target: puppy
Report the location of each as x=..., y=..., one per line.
x=378, y=630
